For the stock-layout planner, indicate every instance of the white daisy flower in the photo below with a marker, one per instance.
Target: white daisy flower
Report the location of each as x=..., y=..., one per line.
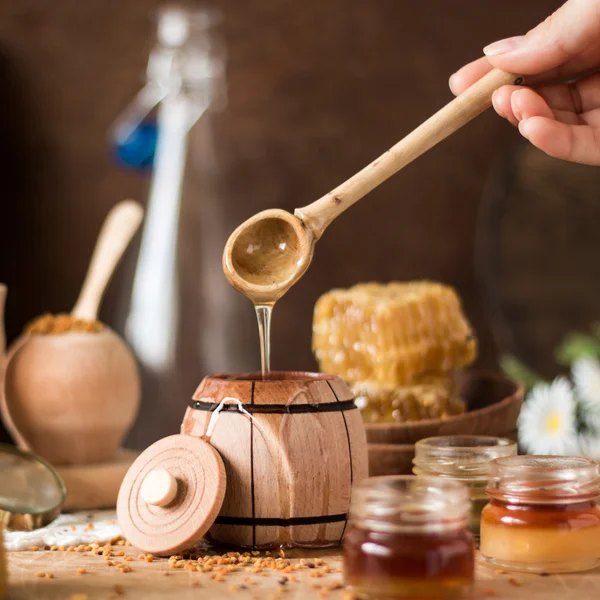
x=547, y=420
x=586, y=376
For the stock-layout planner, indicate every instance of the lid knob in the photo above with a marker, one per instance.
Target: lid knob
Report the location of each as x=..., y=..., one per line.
x=159, y=488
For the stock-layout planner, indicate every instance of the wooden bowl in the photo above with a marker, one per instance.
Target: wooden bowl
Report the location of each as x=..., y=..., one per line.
x=493, y=406
x=71, y=398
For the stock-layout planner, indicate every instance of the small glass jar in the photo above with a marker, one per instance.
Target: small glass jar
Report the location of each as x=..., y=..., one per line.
x=543, y=514
x=464, y=458
x=408, y=538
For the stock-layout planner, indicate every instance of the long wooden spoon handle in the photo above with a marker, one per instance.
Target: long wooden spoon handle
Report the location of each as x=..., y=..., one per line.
x=119, y=227
x=318, y=215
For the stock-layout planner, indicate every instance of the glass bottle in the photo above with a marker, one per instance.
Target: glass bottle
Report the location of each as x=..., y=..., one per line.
x=543, y=515
x=180, y=314
x=464, y=458
x=408, y=538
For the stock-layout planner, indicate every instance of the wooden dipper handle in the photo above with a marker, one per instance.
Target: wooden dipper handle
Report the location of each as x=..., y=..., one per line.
x=119, y=227
x=472, y=102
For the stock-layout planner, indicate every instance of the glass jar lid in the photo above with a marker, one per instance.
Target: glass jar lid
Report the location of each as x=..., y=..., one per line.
x=544, y=479
x=409, y=504
x=31, y=492
x=464, y=457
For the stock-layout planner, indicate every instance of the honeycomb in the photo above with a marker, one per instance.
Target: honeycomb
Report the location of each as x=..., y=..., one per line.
x=407, y=403
x=386, y=335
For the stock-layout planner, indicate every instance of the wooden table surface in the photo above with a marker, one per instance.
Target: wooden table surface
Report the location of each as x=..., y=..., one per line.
x=148, y=581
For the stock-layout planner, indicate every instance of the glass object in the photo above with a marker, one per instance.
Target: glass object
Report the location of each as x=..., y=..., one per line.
x=181, y=82
x=543, y=514
x=137, y=148
x=183, y=78
x=408, y=538
x=464, y=458
x=179, y=316
x=31, y=496
x=31, y=492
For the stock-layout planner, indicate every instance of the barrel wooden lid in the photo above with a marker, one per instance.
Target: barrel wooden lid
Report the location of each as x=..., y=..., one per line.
x=171, y=495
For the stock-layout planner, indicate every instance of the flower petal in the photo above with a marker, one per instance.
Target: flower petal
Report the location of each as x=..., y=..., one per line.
x=547, y=422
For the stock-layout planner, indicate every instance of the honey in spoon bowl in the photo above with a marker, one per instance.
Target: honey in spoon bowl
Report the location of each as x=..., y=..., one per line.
x=267, y=254
x=263, y=258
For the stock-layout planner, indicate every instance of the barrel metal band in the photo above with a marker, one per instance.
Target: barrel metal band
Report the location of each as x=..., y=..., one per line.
x=266, y=522
x=291, y=409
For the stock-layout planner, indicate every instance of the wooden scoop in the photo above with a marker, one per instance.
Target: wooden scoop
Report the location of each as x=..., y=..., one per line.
x=119, y=227
x=71, y=397
x=269, y=252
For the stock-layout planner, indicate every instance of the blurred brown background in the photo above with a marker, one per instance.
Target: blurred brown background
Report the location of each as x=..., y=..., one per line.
x=316, y=90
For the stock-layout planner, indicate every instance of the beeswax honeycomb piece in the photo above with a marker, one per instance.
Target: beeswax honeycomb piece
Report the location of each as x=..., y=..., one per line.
x=386, y=335
x=409, y=403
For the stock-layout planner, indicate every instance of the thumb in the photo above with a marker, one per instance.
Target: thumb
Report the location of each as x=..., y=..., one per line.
x=572, y=29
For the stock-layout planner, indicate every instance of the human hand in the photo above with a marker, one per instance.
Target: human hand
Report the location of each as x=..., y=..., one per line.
x=563, y=120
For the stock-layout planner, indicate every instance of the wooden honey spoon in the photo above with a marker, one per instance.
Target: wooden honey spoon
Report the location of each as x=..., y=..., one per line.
x=71, y=396
x=269, y=252
x=119, y=227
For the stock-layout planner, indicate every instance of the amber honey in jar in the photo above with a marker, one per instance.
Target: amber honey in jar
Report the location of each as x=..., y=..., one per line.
x=407, y=538
x=543, y=514
x=464, y=458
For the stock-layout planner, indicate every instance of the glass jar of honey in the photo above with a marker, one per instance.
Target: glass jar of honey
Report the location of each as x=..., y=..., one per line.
x=408, y=538
x=543, y=514
x=464, y=458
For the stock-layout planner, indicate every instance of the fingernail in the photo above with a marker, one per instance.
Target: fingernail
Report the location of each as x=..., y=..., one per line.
x=522, y=128
x=495, y=104
x=517, y=111
x=451, y=83
x=504, y=46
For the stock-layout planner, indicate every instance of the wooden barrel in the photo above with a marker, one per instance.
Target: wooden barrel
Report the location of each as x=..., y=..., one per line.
x=293, y=446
